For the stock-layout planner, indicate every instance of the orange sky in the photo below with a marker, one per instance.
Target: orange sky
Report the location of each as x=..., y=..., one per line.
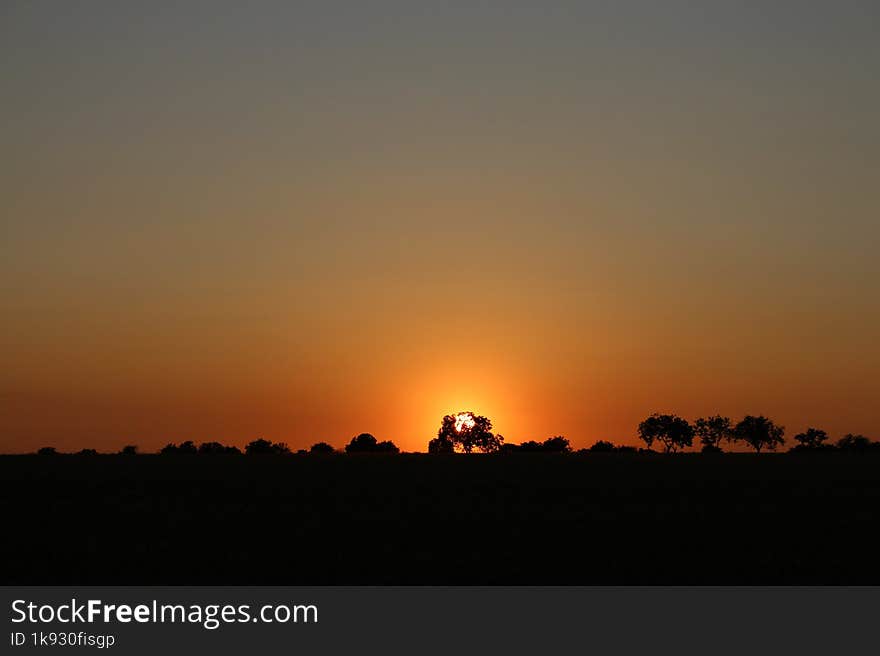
x=305, y=226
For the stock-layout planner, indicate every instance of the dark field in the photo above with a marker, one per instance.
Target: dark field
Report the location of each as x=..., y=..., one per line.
x=416, y=519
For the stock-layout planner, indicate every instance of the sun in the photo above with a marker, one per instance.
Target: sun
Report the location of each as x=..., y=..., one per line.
x=464, y=421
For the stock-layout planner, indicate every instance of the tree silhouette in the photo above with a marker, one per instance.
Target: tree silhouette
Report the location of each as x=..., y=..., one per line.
x=187, y=448
x=671, y=431
x=468, y=432
x=366, y=443
x=129, y=450
x=712, y=431
x=812, y=438
x=759, y=433
x=261, y=447
x=363, y=443
x=529, y=446
x=857, y=443
x=440, y=445
x=215, y=448
x=87, y=452
x=602, y=446
x=321, y=448
x=557, y=444
x=47, y=451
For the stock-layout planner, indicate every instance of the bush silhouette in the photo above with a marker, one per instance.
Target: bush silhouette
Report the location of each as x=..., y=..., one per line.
x=129, y=450
x=87, y=452
x=47, y=451
x=321, y=448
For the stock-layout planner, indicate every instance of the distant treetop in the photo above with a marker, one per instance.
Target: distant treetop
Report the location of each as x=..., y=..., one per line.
x=366, y=443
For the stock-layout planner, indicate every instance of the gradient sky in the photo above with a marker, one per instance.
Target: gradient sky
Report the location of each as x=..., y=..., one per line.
x=304, y=220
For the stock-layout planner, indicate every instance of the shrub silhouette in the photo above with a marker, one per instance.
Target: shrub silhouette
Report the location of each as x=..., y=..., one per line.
x=759, y=433
x=671, y=431
x=47, y=451
x=129, y=450
x=87, y=452
x=321, y=448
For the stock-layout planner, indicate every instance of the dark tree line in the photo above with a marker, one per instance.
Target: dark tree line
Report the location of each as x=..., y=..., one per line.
x=466, y=433
x=675, y=433
x=757, y=432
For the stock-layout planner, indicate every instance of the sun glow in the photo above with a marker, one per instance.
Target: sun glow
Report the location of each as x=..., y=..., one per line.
x=464, y=421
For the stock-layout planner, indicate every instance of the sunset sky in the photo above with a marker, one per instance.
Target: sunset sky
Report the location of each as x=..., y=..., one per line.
x=306, y=220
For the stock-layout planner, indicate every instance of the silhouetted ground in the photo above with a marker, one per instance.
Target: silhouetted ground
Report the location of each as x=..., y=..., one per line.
x=417, y=519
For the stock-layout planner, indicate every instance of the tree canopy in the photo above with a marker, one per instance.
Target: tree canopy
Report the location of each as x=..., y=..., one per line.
x=759, y=433
x=712, y=431
x=671, y=431
x=467, y=432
